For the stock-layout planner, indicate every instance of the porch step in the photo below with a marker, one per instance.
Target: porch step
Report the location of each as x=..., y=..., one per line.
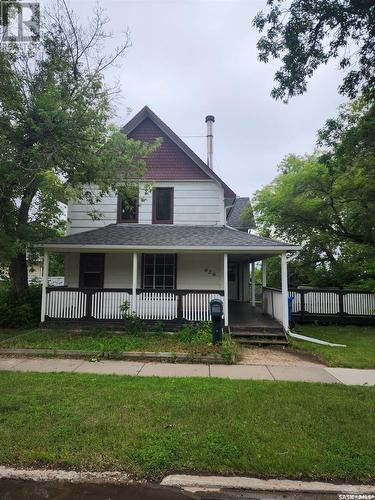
x=259, y=337
x=262, y=340
x=255, y=329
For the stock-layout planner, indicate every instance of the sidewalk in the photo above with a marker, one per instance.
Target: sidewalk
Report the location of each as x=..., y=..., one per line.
x=345, y=376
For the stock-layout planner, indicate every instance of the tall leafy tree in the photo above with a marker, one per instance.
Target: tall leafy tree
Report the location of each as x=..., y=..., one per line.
x=304, y=34
x=55, y=134
x=327, y=202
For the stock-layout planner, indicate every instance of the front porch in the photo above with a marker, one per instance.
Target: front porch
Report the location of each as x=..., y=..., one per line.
x=168, y=274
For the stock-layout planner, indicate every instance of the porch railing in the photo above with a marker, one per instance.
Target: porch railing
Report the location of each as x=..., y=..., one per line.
x=105, y=303
x=273, y=303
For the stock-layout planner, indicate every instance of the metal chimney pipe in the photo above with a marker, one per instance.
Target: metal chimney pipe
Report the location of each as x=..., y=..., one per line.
x=210, y=120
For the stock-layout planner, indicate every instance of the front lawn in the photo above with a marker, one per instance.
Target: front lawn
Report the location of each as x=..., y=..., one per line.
x=190, y=340
x=154, y=426
x=360, y=342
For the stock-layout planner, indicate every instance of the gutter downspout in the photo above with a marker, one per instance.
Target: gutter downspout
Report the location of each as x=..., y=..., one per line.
x=314, y=341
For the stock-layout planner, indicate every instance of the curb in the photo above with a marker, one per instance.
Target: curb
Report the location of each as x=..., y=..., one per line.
x=215, y=483
x=68, y=476
x=170, y=357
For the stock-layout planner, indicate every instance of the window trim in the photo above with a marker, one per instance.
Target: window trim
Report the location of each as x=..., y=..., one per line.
x=127, y=221
x=81, y=272
x=171, y=205
x=174, y=272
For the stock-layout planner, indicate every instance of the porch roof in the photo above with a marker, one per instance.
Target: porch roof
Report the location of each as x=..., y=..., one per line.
x=168, y=237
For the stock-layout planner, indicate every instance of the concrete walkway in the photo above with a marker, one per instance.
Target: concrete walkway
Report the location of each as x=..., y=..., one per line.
x=345, y=376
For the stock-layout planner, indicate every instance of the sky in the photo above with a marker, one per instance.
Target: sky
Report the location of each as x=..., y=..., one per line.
x=193, y=58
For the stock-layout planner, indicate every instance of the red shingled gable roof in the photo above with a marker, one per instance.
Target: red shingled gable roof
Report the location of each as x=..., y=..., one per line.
x=174, y=159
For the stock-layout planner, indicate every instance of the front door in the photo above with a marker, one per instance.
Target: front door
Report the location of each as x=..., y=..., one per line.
x=233, y=287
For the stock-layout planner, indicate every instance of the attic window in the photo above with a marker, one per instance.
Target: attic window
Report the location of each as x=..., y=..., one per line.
x=162, y=205
x=127, y=209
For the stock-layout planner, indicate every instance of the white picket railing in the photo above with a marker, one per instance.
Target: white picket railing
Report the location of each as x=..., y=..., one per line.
x=106, y=304
x=273, y=303
x=196, y=306
x=66, y=304
x=157, y=305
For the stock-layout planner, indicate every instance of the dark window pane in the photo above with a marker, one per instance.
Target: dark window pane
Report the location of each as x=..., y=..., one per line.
x=92, y=280
x=169, y=258
x=149, y=269
x=149, y=281
x=159, y=259
x=169, y=269
x=159, y=269
x=169, y=282
x=149, y=259
x=159, y=281
x=163, y=204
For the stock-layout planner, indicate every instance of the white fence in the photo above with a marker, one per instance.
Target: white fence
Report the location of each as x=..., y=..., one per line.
x=339, y=303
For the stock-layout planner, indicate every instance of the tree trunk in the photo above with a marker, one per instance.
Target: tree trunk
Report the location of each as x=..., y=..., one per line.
x=18, y=274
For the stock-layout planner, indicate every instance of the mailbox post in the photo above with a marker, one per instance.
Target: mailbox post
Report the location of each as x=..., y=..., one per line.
x=216, y=309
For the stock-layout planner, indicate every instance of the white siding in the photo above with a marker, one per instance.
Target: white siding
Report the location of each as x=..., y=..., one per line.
x=200, y=272
x=71, y=270
x=195, y=203
x=79, y=218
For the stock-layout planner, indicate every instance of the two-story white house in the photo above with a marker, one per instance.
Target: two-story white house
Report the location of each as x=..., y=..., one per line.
x=167, y=253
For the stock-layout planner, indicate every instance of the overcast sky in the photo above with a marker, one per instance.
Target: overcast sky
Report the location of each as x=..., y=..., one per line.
x=193, y=58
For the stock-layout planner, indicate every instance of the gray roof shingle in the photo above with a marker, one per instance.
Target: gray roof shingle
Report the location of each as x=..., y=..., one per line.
x=148, y=235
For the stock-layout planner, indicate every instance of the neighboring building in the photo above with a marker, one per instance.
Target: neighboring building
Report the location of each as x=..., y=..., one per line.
x=168, y=252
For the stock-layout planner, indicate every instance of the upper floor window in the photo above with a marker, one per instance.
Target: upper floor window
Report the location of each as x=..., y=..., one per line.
x=128, y=209
x=162, y=205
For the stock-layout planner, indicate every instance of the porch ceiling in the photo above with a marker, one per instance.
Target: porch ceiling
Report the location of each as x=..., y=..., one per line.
x=148, y=237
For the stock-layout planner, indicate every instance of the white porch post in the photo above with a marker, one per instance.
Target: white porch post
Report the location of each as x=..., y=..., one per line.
x=253, y=284
x=264, y=283
x=264, y=273
x=44, y=286
x=134, y=284
x=284, y=289
x=226, y=313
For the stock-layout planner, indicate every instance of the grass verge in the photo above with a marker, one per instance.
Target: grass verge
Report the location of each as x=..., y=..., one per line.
x=152, y=426
x=188, y=340
x=360, y=342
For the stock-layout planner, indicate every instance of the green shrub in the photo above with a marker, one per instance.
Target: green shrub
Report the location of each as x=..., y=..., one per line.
x=20, y=312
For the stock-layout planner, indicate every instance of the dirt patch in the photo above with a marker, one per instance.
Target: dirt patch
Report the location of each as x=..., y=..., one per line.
x=276, y=356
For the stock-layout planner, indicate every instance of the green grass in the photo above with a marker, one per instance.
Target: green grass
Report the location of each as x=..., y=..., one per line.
x=360, y=342
x=104, y=341
x=152, y=426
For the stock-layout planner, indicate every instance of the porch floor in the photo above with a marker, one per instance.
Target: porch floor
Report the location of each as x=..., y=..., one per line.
x=243, y=314
x=248, y=324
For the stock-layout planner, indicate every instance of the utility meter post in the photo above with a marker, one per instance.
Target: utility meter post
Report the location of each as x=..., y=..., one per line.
x=216, y=310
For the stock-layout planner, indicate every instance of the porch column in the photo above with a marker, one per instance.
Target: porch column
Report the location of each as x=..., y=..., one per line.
x=264, y=283
x=284, y=290
x=253, y=284
x=226, y=314
x=264, y=273
x=44, y=286
x=134, y=284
